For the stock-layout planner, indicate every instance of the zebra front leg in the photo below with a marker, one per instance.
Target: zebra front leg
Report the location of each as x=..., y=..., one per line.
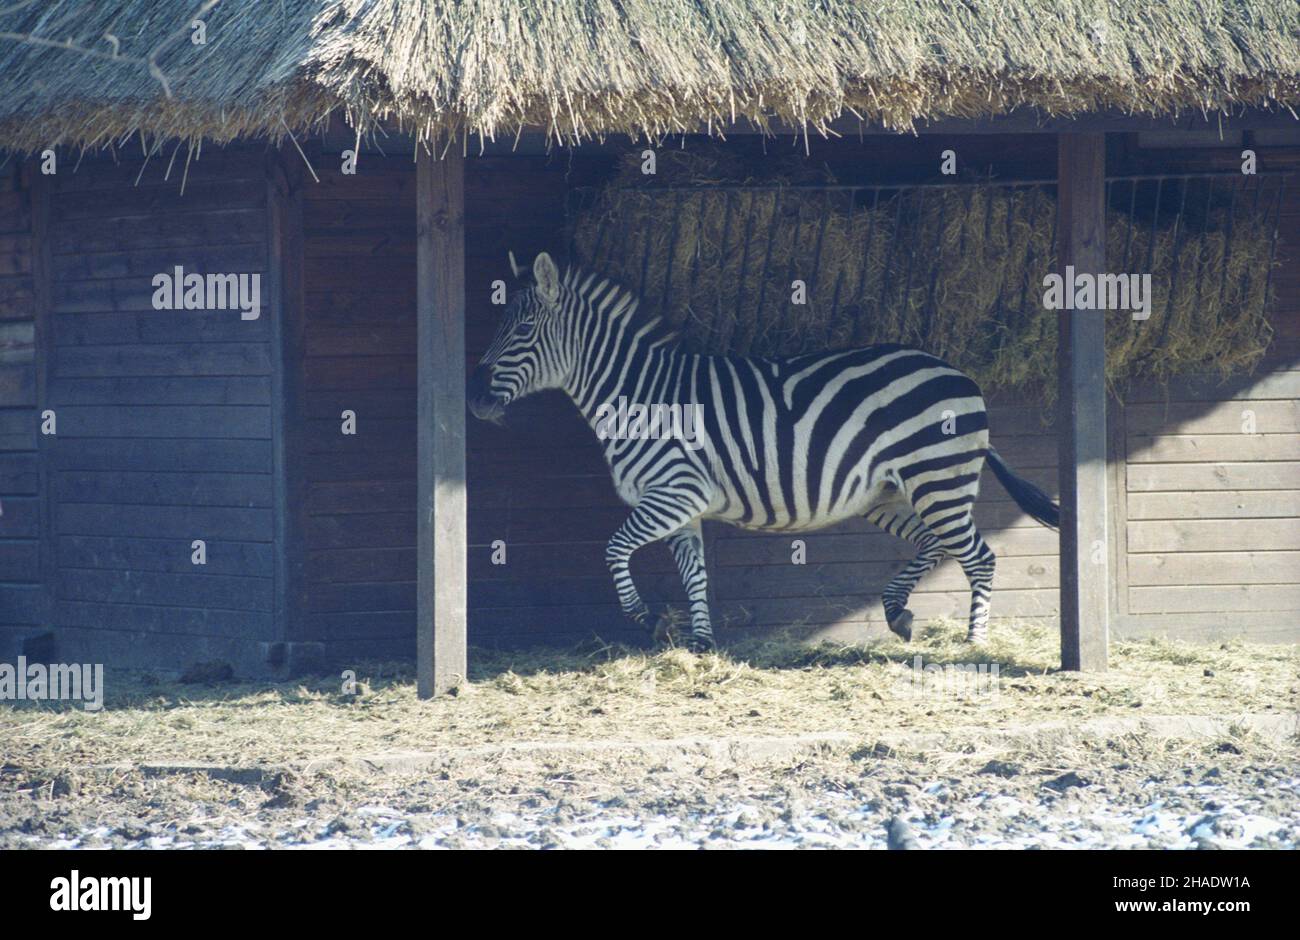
x=658, y=515
x=687, y=545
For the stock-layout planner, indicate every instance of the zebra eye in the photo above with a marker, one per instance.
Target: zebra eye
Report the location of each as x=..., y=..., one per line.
x=524, y=328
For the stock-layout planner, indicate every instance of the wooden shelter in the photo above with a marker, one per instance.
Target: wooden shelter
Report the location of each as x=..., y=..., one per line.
x=138, y=143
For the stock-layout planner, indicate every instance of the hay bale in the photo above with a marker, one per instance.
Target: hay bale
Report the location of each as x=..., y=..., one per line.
x=957, y=271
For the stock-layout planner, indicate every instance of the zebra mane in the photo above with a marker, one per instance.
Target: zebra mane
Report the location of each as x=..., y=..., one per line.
x=583, y=283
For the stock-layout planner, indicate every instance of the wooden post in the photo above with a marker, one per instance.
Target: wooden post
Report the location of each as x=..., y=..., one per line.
x=1081, y=227
x=440, y=354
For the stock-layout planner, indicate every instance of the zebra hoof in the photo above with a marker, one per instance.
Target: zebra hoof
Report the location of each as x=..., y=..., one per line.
x=663, y=629
x=902, y=625
x=976, y=639
x=701, y=644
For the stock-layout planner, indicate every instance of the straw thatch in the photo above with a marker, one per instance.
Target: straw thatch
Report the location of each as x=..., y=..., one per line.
x=957, y=270
x=95, y=72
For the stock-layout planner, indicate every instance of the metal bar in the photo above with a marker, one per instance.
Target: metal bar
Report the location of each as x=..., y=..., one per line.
x=720, y=326
x=744, y=264
x=1272, y=251
x=777, y=198
x=889, y=255
x=1155, y=228
x=1128, y=233
x=672, y=252
x=821, y=235
x=787, y=319
x=1227, y=243
x=859, y=331
x=914, y=235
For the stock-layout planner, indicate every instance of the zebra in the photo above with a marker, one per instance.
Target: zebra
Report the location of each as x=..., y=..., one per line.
x=885, y=432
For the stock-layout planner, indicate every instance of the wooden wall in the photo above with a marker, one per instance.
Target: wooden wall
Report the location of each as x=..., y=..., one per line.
x=358, y=354
x=167, y=422
x=21, y=596
x=540, y=485
x=164, y=417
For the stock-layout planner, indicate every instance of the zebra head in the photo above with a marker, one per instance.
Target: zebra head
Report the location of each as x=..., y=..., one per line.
x=527, y=354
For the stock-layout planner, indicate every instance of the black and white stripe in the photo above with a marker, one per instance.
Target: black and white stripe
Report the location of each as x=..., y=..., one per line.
x=886, y=432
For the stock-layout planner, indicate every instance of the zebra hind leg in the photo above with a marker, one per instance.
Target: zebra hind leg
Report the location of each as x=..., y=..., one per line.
x=899, y=519
x=957, y=535
x=687, y=545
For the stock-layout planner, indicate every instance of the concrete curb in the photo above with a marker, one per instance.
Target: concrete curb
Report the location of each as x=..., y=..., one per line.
x=1278, y=728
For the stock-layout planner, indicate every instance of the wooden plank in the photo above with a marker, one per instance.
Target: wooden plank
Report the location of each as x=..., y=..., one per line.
x=1081, y=227
x=244, y=625
x=442, y=597
x=211, y=257
x=17, y=342
x=20, y=561
x=18, y=384
x=1193, y=568
x=216, y=456
x=128, y=207
x=192, y=522
x=247, y=490
x=210, y=591
x=21, y=518
x=164, y=359
x=1280, y=475
x=1278, y=384
x=215, y=163
x=19, y=474
x=1269, y=417
x=15, y=255
x=1207, y=448
x=17, y=298
x=1228, y=598
x=157, y=326
x=167, y=390
x=186, y=228
x=18, y=429
x=157, y=554
x=22, y=604
x=1225, y=535
x=1263, y=627
x=15, y=211
x=166, y=421
x=1226, y=504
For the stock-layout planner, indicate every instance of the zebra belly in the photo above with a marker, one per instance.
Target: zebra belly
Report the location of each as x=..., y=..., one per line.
x=731, y=510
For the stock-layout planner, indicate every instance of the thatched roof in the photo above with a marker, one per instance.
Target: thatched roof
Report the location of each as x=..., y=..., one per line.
x=589, y=67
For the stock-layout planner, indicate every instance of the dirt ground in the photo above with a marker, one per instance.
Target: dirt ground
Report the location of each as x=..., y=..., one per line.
x=765, y=745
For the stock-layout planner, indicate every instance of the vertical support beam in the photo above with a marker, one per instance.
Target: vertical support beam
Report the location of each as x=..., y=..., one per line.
x=284, y=261
x=1081, y=227
x=440, y=352
x=39, y=188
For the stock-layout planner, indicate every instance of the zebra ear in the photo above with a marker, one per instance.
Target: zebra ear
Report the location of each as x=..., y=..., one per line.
x=515, y=270
x=547, y=276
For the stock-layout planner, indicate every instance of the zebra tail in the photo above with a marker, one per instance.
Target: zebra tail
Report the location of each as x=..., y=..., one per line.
x=1027, y=496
